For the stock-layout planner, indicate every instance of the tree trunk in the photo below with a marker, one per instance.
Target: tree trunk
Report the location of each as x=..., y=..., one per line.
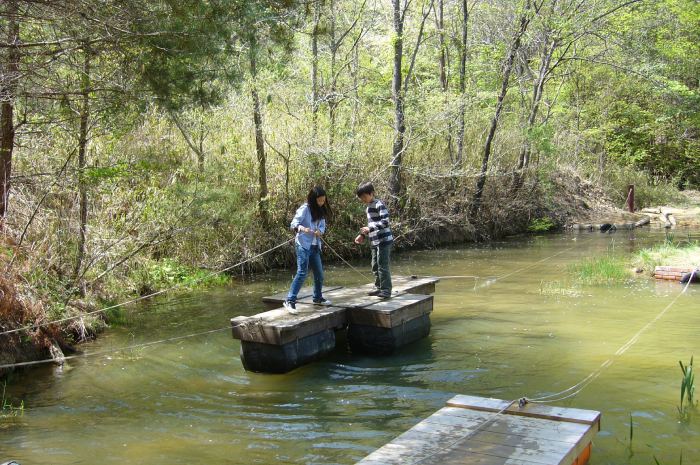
x=442, y=58
x=537, y=91
x=441, y=41
x=508, y=68
x=332, y=97
x=198, y=149
x=395, y=185
x=200, y=153
x=462, y=85
x=82, y=163
x=355, y=70
x=259, y=141
x=8, y=89
x=314, y=71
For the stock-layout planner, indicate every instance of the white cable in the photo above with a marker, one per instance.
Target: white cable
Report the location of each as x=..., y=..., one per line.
x=148, y=296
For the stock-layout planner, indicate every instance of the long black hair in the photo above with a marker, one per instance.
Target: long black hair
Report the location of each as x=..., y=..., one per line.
x=318, y=212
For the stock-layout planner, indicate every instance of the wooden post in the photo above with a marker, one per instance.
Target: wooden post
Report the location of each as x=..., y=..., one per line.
x=630, y=198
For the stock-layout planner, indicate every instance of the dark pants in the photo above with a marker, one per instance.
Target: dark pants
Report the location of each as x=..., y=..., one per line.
x=305, y=259
x=381, y=257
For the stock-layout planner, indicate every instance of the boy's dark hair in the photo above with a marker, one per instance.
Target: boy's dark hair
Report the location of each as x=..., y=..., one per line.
x=365, y=188
x=318, y=212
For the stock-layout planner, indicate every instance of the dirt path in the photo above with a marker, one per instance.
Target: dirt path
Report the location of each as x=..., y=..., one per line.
x=685, y=215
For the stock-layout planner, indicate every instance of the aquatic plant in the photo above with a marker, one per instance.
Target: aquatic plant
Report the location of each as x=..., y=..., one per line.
x=7, y=409
x=541, y=225
x=680, y=461
x=629, y=446
x=687, y=390
x=601, y=270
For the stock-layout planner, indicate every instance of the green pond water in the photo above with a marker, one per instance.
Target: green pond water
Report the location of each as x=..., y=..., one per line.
x=531, y=332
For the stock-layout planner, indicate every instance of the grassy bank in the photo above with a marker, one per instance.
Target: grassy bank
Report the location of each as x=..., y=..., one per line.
x=614, y=269
x=674, y=251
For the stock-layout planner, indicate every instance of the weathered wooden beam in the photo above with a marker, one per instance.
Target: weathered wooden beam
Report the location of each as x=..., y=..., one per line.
x=533, y=410
x=378, y=340
x=280, y=327
x=273, y=358
x=392, y=312
x=480, y=431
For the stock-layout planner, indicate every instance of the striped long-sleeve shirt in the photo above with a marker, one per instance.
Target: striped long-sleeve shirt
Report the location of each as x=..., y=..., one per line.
x=378, y=223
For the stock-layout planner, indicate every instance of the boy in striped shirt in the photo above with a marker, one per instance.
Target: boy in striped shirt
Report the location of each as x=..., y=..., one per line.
x=380, y=237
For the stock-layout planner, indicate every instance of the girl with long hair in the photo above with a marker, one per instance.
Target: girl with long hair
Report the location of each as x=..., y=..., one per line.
x=309, y=224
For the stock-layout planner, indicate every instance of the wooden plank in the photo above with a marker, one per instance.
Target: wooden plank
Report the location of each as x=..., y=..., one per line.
x=478, y=441
x=401, y=285
x=392, y=312
x=487, y=404
x=545, y=429
x=536, y=452
x=533, y=410
x=450, y=424
x=480, y=431
x=280, y=327
x=430, y=453
x=304, y=292
x=501, y=432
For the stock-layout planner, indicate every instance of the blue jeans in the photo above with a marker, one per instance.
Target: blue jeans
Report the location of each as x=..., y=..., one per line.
x=305, y=259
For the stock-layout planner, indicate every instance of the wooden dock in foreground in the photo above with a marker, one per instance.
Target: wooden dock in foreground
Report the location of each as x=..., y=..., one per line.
x=481, y=431
x=277, y=341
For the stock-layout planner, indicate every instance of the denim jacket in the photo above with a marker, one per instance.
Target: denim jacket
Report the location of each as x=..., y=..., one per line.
x=303, y=218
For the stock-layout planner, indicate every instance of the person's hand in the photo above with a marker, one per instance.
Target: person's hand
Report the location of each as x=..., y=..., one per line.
x=317, y=233
x=359, y=239
x=364, y=230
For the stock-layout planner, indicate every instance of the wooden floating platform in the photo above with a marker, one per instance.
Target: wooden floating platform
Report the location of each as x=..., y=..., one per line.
x=481, y=431
x=277, y=341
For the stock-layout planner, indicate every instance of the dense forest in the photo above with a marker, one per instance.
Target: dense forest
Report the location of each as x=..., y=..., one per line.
x=143, y=142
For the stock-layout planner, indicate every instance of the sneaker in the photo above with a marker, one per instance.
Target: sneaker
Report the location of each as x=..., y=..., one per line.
x=322, y=301
x=375, y=292
x=384, y=295
x=290, y=306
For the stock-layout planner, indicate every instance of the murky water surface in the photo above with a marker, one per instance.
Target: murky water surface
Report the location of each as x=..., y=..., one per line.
x=531, y=332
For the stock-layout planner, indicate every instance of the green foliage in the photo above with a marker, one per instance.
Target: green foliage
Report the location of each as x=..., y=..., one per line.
x=601, y=270
x=9, y=410
x=651, y=122
x=541, y=138
x=7, y=252
x=541, y=225
x=649, y=191
x=168, y=273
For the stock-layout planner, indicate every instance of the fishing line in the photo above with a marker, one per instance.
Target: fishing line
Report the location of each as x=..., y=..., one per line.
x=345, y=261
x=578, y=387
x=148, y=296
x=573, y=390
x=110, y=351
